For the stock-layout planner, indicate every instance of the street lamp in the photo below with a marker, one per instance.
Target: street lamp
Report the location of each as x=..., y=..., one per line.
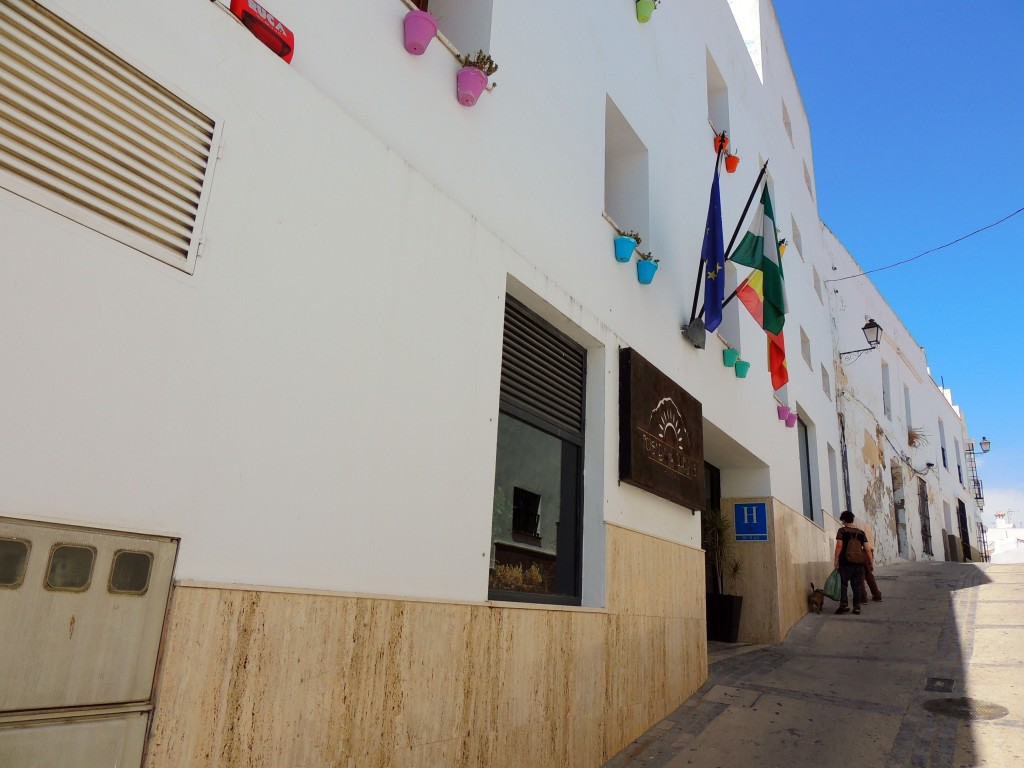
x=873, y=334
x=985, y=444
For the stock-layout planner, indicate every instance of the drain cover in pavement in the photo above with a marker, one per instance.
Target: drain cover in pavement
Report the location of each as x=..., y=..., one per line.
x=966, y=709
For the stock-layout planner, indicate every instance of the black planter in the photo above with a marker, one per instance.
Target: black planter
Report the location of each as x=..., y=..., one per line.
x=723, y=614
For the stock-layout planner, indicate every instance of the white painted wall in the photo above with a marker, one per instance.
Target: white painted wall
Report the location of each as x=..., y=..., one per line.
x=316, y=406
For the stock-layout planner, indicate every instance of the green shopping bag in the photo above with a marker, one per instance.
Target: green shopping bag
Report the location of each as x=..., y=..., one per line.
x=833, y=586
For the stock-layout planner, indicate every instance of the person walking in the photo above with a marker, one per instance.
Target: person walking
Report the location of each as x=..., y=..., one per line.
x=850, y=558
x=869, y=567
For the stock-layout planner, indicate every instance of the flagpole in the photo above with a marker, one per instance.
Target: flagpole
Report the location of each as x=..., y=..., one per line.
x=700, y=265
x=735, y=233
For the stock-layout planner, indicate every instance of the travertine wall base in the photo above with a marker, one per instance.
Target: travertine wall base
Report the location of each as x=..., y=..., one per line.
x=776, y=575
x=276, y=678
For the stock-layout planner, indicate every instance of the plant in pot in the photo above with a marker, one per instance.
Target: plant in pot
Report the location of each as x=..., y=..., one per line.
x=721, y=141
x=626, y=242
x=472, y=79
x=644, y=9
x=646, y=266
x=723, y=610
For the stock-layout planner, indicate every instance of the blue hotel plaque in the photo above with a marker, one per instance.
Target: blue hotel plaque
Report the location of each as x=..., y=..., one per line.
x=751, y=520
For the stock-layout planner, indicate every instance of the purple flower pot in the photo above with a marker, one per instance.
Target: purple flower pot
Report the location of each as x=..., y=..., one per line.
x=791, y=420
x=470, y=83
x=783, y=412
x=420, y=28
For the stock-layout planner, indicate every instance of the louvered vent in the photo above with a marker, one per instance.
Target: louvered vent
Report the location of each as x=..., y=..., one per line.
x=89, y=136
x=542, y=371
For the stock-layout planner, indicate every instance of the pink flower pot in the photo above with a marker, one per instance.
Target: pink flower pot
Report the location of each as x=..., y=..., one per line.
x=470, y=83
x=791, y=420
x=420, y=28
x=783, y=412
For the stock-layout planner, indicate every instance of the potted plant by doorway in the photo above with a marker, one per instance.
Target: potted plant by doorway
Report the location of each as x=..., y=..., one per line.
x=646, y=266
x=644, y=9
x=723, y=610
x=472, y=79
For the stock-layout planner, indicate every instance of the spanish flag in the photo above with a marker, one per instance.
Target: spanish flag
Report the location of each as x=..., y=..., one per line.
x=751, y=293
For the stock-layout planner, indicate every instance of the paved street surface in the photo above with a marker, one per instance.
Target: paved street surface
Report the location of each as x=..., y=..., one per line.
x=931, y=676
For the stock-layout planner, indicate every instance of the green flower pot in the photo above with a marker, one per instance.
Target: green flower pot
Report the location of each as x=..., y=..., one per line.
x=644, y=9
x=742, y=367
x=729, y=357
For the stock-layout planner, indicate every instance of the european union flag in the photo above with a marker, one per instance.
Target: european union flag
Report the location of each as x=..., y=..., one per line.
x=712, y=255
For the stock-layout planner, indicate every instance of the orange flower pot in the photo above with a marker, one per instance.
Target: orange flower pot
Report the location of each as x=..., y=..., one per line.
x=732, y=162
x=721, y=143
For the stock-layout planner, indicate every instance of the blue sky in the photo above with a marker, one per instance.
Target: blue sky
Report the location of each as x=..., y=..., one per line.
x=917, y=124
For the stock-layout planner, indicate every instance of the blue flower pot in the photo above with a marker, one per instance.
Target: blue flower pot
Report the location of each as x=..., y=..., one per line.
x=645, y=269
x=624, y=247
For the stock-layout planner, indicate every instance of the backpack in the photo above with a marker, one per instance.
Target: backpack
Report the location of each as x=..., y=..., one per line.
x=854, y=548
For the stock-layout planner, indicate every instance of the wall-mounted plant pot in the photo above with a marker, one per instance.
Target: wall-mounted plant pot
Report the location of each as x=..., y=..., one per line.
x=729, y=357
x=783, y=412
x=721, y=143
x=645, y=269
x=624, y=247
x=420, y=29
x=791, y=420
x=644, y=9
x=742, y=367
x=470, y=83
x=732, y=162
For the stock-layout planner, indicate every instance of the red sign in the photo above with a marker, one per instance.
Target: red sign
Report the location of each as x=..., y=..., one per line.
x=267, y=29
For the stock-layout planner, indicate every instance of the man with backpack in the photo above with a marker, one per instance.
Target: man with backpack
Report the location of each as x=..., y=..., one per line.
x=852, y=555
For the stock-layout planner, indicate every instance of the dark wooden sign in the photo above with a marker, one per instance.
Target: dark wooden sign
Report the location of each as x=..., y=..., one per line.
x=661, y=433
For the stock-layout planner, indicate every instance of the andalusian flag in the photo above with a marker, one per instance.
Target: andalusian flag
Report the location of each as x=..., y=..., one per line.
x=759, y=249
x=751, y=293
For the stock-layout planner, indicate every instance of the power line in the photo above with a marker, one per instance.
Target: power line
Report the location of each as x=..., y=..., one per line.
x=933, y=250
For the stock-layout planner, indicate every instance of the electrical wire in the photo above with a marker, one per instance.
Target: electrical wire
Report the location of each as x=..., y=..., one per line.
x=933, y=250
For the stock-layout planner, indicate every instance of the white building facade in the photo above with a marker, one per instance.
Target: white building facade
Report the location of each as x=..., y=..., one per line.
x=272, y=322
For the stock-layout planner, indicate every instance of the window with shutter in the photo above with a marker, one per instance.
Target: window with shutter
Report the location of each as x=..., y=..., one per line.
x=90, y=137
x=536, y=522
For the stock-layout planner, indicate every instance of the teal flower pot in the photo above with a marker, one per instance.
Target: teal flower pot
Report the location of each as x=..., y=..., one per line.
x=644, y=9
x=645, y=269
x=624, y=247
x=742, y=366
x=729, y=357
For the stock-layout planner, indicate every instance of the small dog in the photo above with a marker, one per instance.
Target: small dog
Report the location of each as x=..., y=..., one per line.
x=816, y=599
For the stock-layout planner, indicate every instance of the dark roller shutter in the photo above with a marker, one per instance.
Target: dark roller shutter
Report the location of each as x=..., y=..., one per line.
x=542, y=370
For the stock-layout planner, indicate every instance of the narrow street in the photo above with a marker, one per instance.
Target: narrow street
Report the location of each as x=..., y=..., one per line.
x=931, y=676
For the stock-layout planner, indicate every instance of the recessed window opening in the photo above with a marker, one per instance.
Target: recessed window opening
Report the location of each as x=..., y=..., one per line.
x=899, y=505
x=787, y=123
x=906, y=406
x=537, y=510
x=718, y=96
x=13, y=562
x=959, y=465
x=926, y=520
x=70, y=568
x=806, y=468
x=833, y=479
x=465, y=23
x=129, y=574
x=817, y=285
x=807, y=181
x=797, y=239
x=626, y=178
x=805, y=348
x=826, y=382
x=942, y=444
x=886, y=395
